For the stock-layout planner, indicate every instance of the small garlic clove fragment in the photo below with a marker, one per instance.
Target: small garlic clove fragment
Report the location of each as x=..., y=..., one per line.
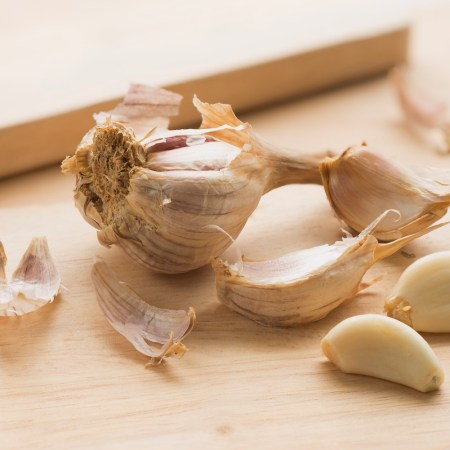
x=385, y=348
x=153, y=331
x=155, y=197
x=35, y=282
x=303, y=286
x=421, y=296
x=360, y=184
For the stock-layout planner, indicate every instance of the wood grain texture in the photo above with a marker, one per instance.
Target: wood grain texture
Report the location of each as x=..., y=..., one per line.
x=68, y=380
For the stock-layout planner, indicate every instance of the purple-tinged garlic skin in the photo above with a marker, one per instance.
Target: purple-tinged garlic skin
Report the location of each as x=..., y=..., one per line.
x=157, y=197
x=361, y=184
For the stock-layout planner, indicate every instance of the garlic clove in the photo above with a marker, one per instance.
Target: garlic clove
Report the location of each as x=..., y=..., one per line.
x=360, y=184
x=35, y=282
x=385, y=348
x=155, y=197
x=153, y=331
x=303, y=286
x=421, y=296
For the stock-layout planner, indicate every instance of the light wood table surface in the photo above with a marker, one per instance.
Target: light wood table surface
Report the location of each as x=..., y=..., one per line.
x=68, y=380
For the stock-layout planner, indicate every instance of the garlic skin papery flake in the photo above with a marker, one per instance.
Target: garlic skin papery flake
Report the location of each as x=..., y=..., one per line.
x=381, y=347
x=421, y=108
x=34, y=283
x=421, y=296
x=153, y=331
x=155, y=197
x=303, y=286
x=360, y=184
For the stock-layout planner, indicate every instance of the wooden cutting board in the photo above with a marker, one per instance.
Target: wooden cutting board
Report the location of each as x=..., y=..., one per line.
x=68, y=380
x=248, y=54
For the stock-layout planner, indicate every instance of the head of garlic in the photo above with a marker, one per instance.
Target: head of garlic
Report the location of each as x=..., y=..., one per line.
x=421, y=296
x=156, y=196
x=303, y=286
x=361, y=183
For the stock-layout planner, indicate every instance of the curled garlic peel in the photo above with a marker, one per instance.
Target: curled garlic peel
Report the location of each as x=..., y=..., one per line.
x=421, y=296
x=153, y=331
x=34, y=283
x=360, y=184
x=303, y=286
x=385, y=348
x=421, y=108
x=155, y=197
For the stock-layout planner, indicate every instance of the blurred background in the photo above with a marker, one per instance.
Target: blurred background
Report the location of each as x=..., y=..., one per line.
x=62, y=61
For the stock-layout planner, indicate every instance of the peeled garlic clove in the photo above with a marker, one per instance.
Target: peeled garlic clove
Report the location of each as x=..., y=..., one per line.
x=421, y=297
x=303, y=286
x=385, y=348
x=156, y=197
x=35, y=282
x=153, y=331
x=360, y=184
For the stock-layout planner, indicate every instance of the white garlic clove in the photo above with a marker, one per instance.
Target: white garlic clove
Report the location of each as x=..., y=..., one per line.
x=155, y=197
x=421, y=297
x=303, y=286
x=35, y=282
x=360, y=184
x=153, y=331
x=385, y=348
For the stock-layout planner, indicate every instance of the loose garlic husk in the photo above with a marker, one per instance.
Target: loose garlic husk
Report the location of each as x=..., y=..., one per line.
x=381, y=347
x=303, y=286
x=155, y=332
x=421, y=109
x=156, y=197
x=421, y=297
x=360, y=184
x=34, y=283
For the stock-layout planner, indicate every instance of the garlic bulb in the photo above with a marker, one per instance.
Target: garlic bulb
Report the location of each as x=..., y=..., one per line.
x=420, y=107
x=34, y=283
x=360, y=184
x=303, y=286
x=153, y=331
x=381, y=347
x=421, y=297
x=156, y=197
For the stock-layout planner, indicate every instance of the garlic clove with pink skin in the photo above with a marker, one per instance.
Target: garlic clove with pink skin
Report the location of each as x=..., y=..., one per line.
x=156, y=197
x=361, y=183
x=303, y=286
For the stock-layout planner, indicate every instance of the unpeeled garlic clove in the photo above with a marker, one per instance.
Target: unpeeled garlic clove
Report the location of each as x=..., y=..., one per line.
x=421, y=296
x=360, y=184
x=385, y=348
x=303, y=286
x=157, y=196
x=153, y=331
x=35, y=282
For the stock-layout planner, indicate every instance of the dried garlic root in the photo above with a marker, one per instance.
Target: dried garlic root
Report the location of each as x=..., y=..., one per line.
x=421, y=297
x=385, y=348
x=420, y=107
x=303, y=286
x=360, y=184
x=156, y=196
x=34, y=283
x=153, y=331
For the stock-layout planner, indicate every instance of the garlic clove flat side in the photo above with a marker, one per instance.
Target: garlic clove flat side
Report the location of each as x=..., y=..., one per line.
x=421, y=296
x=381, y=347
